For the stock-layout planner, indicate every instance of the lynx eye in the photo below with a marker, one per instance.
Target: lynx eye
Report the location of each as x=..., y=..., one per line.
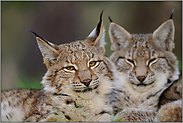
x=131, y=61
x=92, y=63
x=70, y=68
x=152, y=61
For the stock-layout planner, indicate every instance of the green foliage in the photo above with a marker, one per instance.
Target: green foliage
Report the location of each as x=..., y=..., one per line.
x=25, y=82
x=117, y=118
x=180, y=65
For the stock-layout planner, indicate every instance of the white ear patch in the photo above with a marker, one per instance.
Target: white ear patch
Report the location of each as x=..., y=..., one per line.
x=93, y=33
x=100, y=38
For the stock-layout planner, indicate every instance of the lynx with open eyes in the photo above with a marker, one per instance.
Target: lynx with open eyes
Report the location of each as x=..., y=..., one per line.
x=77, y=84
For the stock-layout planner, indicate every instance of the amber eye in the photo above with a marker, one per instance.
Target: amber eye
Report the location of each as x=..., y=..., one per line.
x=92, y=63
x=70, y=68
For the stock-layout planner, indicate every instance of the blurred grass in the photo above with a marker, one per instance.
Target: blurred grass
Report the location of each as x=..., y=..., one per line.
x=28, y=83
x=180, y=65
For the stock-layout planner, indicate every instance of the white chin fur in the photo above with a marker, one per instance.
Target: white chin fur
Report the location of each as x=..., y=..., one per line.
x=87, y=95
x=160, y=81
x=141, y=88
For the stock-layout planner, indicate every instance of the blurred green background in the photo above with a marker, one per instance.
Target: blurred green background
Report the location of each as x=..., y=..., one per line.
x=60, y=22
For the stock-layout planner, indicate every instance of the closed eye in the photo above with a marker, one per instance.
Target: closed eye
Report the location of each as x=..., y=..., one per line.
x=152, y=61
x=120, y=58
x=130, y=61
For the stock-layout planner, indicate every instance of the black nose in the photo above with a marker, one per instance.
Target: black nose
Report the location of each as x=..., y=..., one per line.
x=86, y=82
x=141, y=78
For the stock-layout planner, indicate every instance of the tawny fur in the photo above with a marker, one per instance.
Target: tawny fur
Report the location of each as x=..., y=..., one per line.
x=76, y=85
x=172, y=93
x=170, y=112
x=146, y=67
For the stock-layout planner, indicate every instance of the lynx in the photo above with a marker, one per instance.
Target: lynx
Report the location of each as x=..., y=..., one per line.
x=146, y=67
x=170, y=103
x=172, y=93
x=77, y=84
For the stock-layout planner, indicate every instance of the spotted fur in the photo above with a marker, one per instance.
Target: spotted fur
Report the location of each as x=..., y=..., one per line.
x=172, y=93
x=146, y=67
x=76, y=85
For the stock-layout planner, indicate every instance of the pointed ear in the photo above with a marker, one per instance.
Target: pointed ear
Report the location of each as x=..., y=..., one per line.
x=164, y=35
x=48, y=50
x=118, y=35
x=97, y=36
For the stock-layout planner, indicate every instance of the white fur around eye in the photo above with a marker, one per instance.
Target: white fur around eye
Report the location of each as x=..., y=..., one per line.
x=66, y=70
x=151, y=61
x=132, y=62
x=96, y=64
x=75, y=68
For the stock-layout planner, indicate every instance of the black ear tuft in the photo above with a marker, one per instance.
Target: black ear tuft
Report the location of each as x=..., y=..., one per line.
x=99, y=24
x=101, y=15
x=38, y=36
x=110, y=18
x=171, y=16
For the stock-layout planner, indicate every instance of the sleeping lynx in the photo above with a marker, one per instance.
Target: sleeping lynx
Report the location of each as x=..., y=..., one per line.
x=146, y=67
x=76, y=85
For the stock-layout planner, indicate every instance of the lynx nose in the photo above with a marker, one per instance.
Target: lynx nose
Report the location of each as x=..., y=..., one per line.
x=141, y=78
x=86, y=82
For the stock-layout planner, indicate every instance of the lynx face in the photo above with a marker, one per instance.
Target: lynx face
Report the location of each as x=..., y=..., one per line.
x=78, y=68
x=145, y=59
x=145, y=64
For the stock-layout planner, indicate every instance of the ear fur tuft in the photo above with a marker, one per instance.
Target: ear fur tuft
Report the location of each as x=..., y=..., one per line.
x=110, y=18
x=171, y=16
x=97, y=36
x=48, y=50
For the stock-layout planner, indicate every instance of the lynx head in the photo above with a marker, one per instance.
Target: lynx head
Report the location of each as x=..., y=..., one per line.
x=146, y=60
x=78, y=68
